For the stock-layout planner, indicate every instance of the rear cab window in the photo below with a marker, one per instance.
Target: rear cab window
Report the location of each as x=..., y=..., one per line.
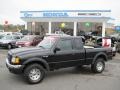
x=64, y=44
x=77, y=44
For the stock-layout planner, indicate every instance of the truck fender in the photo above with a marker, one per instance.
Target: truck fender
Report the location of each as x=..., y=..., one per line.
x=99, y=55
x=40, y=60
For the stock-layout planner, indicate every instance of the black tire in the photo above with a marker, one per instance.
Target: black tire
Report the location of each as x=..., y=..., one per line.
x=114, y=54
x=9, y=46
x=98, y=66
x=29, y=75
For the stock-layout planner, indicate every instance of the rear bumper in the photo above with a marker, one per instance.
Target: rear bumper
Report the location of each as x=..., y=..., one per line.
x=16, y=69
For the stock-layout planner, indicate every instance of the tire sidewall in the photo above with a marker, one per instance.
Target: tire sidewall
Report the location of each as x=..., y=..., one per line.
x=94, y=66
x=29, y=68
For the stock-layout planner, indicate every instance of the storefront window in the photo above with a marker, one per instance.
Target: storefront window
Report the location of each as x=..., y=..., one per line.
x=64, y=27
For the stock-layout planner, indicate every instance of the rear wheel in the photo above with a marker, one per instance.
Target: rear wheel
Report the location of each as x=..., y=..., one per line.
x=98, y=65
x=34, y=73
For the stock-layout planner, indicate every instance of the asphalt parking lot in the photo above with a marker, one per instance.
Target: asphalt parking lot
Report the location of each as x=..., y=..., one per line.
x=65, y=79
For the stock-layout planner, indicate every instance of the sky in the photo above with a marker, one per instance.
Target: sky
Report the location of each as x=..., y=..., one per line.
x=10, y=9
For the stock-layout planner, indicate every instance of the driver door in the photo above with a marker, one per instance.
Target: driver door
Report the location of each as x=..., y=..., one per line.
x=63, y=57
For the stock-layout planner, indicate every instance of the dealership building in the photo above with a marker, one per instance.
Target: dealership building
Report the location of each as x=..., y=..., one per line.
x=70, y=21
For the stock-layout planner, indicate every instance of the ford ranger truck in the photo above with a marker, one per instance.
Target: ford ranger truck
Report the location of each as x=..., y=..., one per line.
x=55, y=52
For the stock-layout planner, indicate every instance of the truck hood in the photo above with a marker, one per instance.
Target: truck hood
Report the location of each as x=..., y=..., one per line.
x=28, y=51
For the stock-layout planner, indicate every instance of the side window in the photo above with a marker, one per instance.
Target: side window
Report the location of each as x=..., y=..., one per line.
x=78, y=44
x=16, y=37
x=65, y=44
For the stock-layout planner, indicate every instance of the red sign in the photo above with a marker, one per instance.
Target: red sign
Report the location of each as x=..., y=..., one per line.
x=106, y=42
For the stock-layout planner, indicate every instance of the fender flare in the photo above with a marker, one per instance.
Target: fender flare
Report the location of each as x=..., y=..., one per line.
x=99, y=54
x=40, y=60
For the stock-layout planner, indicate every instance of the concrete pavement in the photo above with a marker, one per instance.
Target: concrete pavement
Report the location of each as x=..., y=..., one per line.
x=64, y=79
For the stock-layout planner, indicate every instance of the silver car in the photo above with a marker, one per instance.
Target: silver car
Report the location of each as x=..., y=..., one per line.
x=9, y=41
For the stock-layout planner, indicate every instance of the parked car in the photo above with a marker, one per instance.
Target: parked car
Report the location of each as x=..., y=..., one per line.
x=9, y=41
x=118, y=46
x=55, y=52
x=86, y=35
x=115, y=36
x=29, y=40
x=25, y=32
x=17, y=33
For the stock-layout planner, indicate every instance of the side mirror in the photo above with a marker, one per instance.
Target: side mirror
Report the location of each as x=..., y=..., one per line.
x=56, y=49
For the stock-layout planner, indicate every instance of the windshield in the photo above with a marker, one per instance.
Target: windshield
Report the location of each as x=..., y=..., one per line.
x=7, y=37
x=27, y=38
x=47, y=42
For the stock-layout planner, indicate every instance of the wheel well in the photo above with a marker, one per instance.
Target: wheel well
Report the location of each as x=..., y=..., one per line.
x=9, y=44
x=102, y=56
x=35, y=62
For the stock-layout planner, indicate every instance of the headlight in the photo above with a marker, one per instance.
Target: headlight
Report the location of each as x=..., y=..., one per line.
x=15, y=60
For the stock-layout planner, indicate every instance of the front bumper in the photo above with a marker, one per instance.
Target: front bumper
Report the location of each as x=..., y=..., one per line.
x=16, y=69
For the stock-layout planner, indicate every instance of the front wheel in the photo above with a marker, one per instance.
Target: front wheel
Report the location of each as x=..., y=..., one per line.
x=98, y=66
x=34, y=73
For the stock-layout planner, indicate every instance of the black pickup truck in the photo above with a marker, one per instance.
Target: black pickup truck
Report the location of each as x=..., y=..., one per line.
x=55, y=52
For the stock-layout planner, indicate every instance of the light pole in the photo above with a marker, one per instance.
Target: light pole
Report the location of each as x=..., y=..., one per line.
x=33, y=28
